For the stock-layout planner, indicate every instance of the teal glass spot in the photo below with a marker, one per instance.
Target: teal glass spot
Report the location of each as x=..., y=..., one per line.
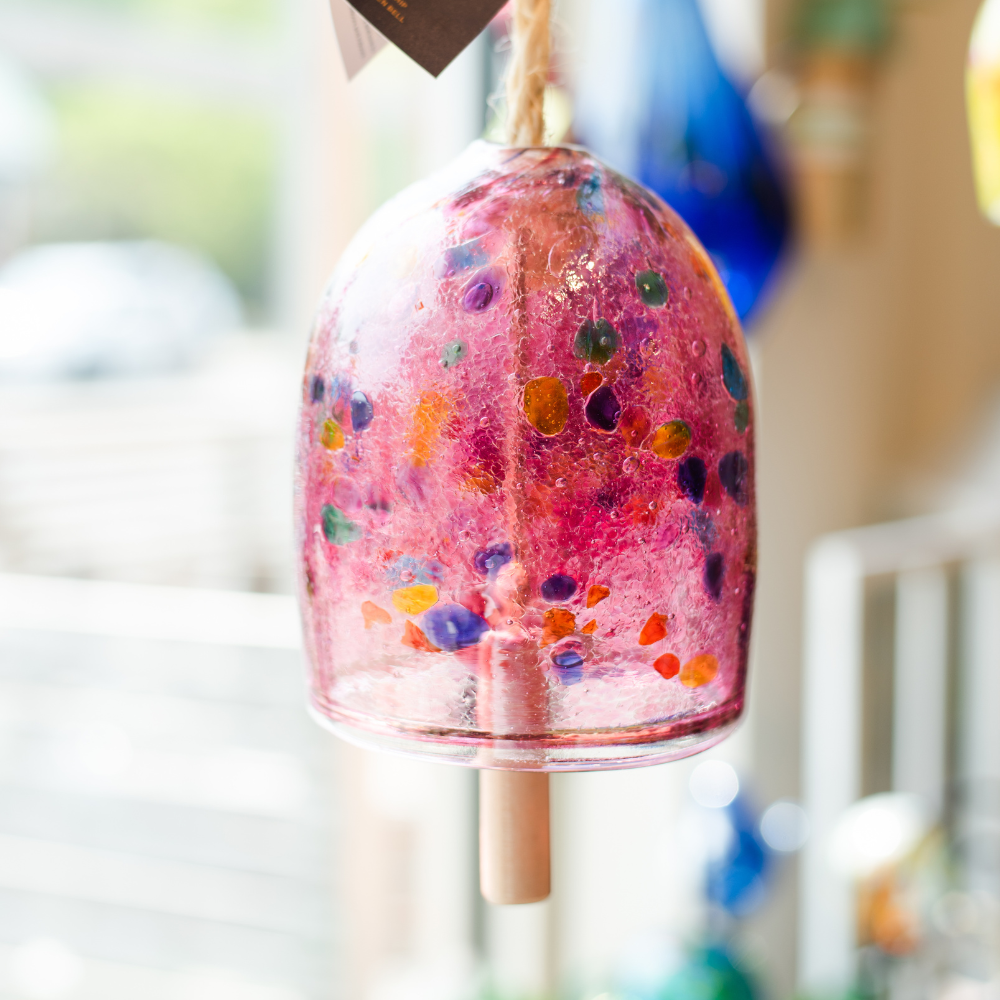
x=589, y=196
x=337, y=528
x=732, y=375
x=652, y=288
x=596, y=342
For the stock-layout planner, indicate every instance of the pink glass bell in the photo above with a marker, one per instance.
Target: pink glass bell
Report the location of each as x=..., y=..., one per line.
x=525, y=487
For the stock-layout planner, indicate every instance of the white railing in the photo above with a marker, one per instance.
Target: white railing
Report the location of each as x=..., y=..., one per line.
x=921, y=556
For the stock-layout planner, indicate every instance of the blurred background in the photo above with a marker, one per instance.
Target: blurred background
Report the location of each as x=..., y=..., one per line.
x=177, y=180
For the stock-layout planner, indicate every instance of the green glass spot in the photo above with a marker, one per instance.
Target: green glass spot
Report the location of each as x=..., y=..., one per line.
x=652, y=288
x=741, y=417
x=337, y=528
x=596, y=342
x=453, y=352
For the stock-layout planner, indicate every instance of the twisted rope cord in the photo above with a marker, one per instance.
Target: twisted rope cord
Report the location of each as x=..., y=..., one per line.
x=528, y=72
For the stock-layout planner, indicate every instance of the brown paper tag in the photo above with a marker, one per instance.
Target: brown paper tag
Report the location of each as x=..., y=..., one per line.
x=431, y=32
x=359, y=42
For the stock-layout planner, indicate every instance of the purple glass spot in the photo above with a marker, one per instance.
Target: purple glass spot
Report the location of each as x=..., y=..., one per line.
x=712, y=574
x=733, y=469
x=603, y=409
x=478, y=297
x=362, y=412
x=493, y=558
x=316, y=389
x=558, y=588
x=691, y=475
x=483, y=291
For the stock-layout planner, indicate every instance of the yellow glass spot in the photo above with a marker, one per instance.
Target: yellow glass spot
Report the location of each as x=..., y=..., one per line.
x=596, y=594
x=546, y=405
x=331, y=436
x=374, y=615
x=671, y=440
x=654, y=630
x=590, y=628
x=413, y=600
x=558, y=624
x=699, y=671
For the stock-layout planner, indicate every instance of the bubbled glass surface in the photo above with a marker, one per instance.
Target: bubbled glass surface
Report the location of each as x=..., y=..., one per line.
x=525, y=485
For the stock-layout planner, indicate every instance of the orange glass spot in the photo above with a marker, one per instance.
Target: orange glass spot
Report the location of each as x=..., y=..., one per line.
x=654, y=630
x=415, y=639
x=590, y=381
x=635, y=425
x=596, y=594
x=413, y=600
x=590, y=628
x=546, y=405
x=429, y=417
x=374, y=615
x=701, y=670
x=331, y=436
x=671, y=440
x=558, y=624
x=667, y=666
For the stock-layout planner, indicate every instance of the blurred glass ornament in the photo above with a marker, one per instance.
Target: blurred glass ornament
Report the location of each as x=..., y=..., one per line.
x=982, y=90
x=710, y=973
x=837, y=43
x=738, y=880
x=877, y=831
x=669, y=117
x=737, y=861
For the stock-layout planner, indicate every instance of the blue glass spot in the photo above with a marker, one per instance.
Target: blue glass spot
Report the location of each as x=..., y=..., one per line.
x=568, y=658
x=451, y=627
x=691, y=474
x=316, y=389
x=733, y=469
x=457, y=259
x=493, y=558
x=362, y=412
x=603, y=409
x=732, y=375
x=569, y=675
x=713, y=573
x=408, y=570
x=589, y=197
x=558, y=588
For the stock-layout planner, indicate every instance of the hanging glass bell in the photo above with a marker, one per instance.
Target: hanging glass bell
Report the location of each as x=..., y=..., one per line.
x=525, y=488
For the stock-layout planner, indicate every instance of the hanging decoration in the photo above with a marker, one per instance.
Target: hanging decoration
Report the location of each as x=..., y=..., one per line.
x=525, y=484
x=669, y=117
x=982, y=88
x=837, y=44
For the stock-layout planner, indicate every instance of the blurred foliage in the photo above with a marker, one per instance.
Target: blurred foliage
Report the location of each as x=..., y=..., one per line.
x=146, y=165
x=252, y=14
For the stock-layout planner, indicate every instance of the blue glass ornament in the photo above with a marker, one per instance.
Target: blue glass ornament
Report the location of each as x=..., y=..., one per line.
x=668, y=116
x=738, y=879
